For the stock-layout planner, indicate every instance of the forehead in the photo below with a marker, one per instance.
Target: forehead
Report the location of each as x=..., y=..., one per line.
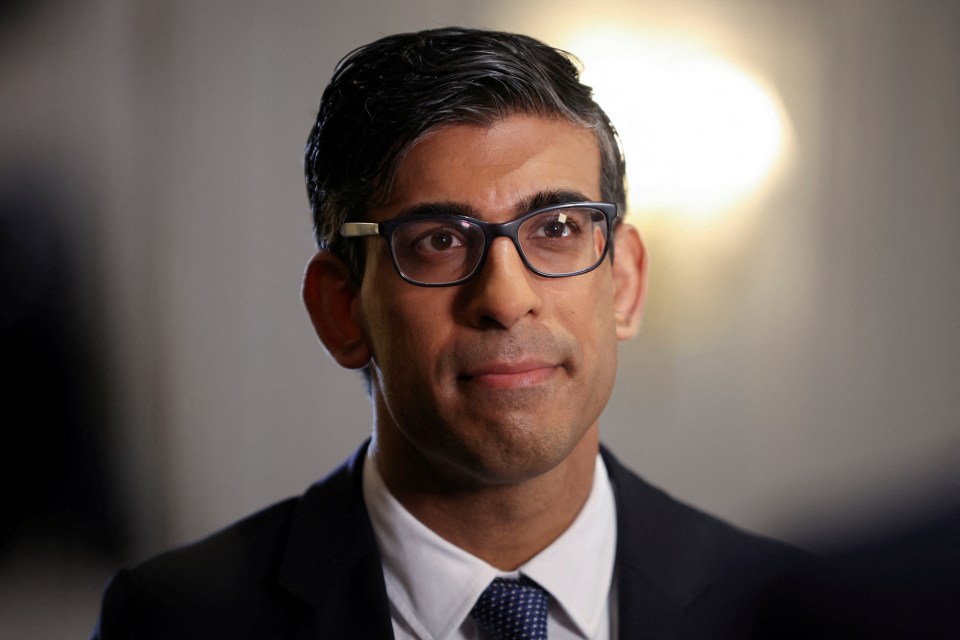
x=493, y=168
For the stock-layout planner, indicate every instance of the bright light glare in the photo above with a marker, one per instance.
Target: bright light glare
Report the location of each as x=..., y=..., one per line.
x=698, y=133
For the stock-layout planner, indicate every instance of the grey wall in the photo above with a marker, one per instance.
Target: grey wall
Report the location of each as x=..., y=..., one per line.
x=808, y=385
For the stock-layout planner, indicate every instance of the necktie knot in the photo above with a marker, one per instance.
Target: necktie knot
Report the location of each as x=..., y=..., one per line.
x=513, y=610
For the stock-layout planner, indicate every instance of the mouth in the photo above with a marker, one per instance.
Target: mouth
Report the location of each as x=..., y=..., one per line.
x=510, y=375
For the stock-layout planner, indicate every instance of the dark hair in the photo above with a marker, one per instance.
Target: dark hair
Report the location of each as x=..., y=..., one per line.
x=386, y=95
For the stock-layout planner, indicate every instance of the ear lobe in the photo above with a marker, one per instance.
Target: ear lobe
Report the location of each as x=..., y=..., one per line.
x=629, y=281
x=328, y=293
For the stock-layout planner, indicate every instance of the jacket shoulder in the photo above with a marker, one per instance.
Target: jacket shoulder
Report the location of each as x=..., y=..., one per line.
x=229, y=584
x=222, y=586
x=650, y=517
x=718, y=579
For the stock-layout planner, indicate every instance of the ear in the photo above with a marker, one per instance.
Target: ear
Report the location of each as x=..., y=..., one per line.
x=629, y=280
x=329, y=295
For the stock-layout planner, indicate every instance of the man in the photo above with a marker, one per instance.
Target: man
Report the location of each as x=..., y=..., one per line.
x=468, y=198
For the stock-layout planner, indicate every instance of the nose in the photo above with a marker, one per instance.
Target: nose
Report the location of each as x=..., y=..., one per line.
x=502, y=293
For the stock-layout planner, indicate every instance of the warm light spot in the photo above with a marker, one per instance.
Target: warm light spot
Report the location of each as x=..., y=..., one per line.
x=699, y=133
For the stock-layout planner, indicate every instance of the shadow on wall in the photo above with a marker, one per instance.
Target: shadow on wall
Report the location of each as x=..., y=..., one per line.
x=898, y=582
x=53, y=468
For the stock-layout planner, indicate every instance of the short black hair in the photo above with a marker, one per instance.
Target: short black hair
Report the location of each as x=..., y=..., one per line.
x=385, y=96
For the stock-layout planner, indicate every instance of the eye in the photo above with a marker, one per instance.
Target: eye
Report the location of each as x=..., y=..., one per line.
x=556, y=228
x=442, y=240
x=559, y=225
x=434, y=239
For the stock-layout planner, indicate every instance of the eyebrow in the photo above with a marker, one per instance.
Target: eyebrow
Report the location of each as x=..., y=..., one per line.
x=550, y=198
x=539, y=200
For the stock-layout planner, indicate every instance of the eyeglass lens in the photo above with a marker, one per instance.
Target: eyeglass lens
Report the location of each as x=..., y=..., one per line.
x=553, y=242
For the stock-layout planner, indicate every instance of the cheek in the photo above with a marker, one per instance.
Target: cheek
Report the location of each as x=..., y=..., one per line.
x=403, y=327
x=587, y=307
x=589, y=316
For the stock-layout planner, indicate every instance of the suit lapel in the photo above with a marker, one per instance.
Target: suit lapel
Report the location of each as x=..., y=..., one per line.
x=331, y=561
x=656, y=577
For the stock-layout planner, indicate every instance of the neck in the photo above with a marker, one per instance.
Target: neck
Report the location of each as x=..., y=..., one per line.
x=503, y=522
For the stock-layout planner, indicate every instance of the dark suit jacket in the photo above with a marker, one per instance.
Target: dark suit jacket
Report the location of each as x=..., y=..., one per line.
x=309, y=567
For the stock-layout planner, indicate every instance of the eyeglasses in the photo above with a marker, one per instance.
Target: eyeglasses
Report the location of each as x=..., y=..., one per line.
x=445, y=249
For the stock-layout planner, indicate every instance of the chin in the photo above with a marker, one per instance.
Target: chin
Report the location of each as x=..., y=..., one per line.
x=512, y=460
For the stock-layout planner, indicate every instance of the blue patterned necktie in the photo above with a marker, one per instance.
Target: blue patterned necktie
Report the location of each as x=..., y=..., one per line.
x=513, y=610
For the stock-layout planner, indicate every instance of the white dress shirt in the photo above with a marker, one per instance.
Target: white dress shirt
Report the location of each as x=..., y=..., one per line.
x=432, y=584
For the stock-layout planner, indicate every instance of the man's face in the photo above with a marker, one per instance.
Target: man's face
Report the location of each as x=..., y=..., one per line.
x=497, y=380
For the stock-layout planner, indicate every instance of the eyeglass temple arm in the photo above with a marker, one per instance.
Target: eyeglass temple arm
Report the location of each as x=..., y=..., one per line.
x=358, y=229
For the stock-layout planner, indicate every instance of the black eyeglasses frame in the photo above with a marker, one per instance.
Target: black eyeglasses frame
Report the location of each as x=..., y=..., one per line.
x=491, y=231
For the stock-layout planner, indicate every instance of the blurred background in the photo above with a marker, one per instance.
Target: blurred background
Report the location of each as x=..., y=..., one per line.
x=794, y=169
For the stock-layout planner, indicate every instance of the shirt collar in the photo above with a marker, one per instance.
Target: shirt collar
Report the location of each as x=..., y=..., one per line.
x=432, y=584
x=577, y=568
